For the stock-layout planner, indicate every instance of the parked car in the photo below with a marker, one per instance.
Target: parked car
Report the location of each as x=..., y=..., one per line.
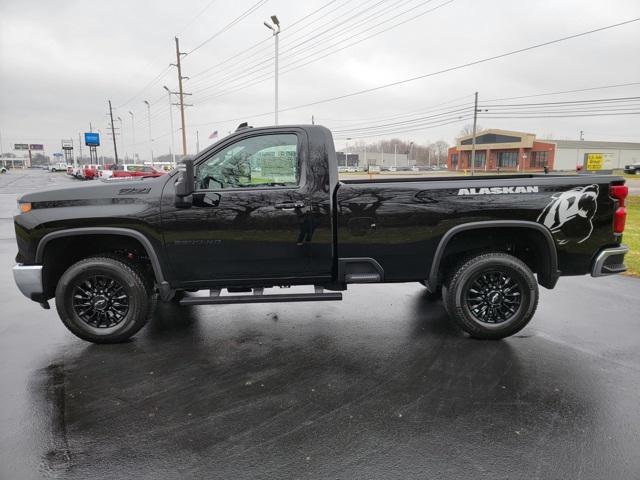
x=90, y=172
x=121, y=171
x=3, y=169
x=485, y=242
x=58, y=167
x=633, y=169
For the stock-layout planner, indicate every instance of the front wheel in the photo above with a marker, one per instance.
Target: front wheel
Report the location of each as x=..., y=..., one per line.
x=104, y=299
x=491, y=296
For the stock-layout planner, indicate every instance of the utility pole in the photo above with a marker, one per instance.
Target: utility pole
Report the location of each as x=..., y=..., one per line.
x=197, y=141
x=275, y=28
x=113, y=133
x=173, y=143
x=581, y=135
x=181, y=95
x=149, y=118
x=133, y=135
x=80, y=146
x=313, y=120
x=473, y=140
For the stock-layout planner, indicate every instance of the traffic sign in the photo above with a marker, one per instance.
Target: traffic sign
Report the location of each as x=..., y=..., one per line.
x=91, y=139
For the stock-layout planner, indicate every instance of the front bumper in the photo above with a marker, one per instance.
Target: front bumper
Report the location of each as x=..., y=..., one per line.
x=28, y=278
x=609, y=261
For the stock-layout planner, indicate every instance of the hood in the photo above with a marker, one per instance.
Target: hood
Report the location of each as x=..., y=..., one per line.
x=100, y=189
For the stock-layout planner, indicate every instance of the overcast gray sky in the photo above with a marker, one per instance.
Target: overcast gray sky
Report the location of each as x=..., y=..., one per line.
x=61, y=61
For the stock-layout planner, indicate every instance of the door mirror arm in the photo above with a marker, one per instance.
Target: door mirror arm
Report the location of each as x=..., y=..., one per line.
x=185, y=185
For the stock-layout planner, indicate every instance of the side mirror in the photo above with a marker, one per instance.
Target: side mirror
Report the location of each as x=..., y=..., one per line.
x=185, y=185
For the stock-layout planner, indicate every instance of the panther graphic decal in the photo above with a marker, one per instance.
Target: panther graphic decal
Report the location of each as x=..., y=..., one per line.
x=569, y=215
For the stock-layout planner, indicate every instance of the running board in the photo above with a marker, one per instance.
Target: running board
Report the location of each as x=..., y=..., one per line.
x=258, y=297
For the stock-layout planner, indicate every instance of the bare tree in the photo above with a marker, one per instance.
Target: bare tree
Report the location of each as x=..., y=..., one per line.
x=468, y=129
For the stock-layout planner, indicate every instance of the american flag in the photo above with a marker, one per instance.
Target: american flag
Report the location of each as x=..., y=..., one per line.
x=214, y=135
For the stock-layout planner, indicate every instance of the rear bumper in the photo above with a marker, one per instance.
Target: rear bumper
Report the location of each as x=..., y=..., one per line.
x=28, y=278
x=609, y=261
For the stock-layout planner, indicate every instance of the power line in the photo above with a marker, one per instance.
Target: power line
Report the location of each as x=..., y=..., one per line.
x=265, y=77
x=595, y=100
x=446, y=70
x=195, y=18
x=164, y=71
x=464, y=65
x=239, y=18
x=603, y=87
x=256, y=67
x=289, y=29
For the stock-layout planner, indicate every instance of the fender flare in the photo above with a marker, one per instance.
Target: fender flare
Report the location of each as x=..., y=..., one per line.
x=551, y=246
x=127, y=232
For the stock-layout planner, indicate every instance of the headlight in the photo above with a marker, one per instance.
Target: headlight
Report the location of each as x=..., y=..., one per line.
x=24, y=207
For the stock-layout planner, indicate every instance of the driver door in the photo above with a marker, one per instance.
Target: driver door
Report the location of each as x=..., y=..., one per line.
x=249, y=217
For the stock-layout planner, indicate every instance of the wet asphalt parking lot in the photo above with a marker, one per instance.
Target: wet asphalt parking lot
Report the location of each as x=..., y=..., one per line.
x=377, y=386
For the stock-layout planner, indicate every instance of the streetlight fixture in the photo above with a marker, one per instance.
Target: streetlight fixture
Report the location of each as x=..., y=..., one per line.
x=275, y=28
x=133, y=135
x=173, y=144
x=150, y=139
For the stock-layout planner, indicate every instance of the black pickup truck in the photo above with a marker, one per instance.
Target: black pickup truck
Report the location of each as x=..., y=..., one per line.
x=264, y=208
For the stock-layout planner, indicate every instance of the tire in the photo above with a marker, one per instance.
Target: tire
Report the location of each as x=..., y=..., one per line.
x=637, y=172
x=104, y=299
x=491, y=295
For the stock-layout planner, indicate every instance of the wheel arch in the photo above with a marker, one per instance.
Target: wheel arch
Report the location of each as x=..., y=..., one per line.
x=151, y=253
x=548, y=273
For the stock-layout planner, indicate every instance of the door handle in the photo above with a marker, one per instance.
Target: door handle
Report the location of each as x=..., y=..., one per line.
x=289, y=205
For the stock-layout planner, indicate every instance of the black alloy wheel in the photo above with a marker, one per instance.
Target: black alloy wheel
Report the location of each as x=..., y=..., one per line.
x=490, y=295
x=493, y=297
x=105, y=299
x=100, y=301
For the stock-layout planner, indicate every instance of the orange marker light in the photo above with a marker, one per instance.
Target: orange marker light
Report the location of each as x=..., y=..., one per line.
x=25, y=207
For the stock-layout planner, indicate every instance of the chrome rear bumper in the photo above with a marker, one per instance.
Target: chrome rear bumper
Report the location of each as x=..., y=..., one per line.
x=28, y=278
x=610, y=261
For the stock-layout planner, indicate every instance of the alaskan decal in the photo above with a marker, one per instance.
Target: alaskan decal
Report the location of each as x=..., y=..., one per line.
x=497, y=190
x=569, y=214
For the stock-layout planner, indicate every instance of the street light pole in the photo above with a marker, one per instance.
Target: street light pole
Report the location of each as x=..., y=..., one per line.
x=173, y=144
x=133, y=135
x=275, y=28
x=122, y=135
x=150, y=139
x=473, y=138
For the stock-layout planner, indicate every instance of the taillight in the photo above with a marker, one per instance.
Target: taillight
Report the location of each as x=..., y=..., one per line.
x=619, y=192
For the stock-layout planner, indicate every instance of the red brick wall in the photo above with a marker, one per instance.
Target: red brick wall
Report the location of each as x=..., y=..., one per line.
x=464, y=157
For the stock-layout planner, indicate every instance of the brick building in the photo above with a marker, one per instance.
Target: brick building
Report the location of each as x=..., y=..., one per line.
x=502, y=149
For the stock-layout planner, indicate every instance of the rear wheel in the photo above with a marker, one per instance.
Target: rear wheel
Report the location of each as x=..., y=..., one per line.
x=104, y=299
x=491, y=296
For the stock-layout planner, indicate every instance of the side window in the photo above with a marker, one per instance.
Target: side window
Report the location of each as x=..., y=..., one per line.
x=260, y=161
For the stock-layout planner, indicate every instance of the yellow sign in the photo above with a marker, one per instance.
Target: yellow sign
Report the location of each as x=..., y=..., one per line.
x=595, y=161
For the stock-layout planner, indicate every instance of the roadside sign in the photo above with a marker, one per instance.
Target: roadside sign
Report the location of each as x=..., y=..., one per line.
x=21, y=146
x=91, y=139
x=36, y=146
x=67, y=144
x=58, y=154
x=596, y=162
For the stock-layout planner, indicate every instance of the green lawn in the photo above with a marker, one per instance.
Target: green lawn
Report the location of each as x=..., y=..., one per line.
x=632, y=235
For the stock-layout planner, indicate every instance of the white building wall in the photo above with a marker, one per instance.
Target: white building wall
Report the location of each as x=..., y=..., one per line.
x=569, y=158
